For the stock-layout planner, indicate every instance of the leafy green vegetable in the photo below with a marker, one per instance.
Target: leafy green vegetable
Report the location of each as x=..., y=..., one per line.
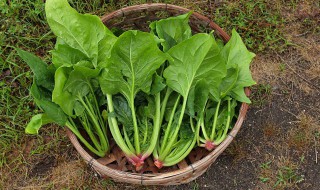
x=161, y=93
x=134, y=59
x=81, y=32
x=173, y=30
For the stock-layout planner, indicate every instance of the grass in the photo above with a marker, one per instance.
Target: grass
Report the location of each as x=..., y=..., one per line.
x=261, y=23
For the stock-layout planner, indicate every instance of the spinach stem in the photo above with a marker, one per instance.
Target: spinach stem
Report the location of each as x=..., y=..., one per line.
x=135, y=126
x=86, y=125
x=223, y=136
x=102, y=124
x=126, y=137
x=214, y=122
x=74, y=129
x=168, y=130
x=114, y=129
x=164, y=103
x=102, y=138
x=156, y=128
x=185, y=151
x=174, y=137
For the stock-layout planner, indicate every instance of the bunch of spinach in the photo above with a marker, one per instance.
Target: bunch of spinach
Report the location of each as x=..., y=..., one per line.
x=161, y=93
x=68, y=91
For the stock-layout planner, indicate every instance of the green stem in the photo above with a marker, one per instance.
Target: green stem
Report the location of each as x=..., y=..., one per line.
x=223, y=136
x=114, y=129
x=174, y=137
x=164, y=103
x=102, y=124
x=102, y=138
x=214, y=122
x=135, y=127
x=169, y=159
x=126, y=137
x=203, y=127
x=79, y=136
x=86, y=125
x=183, y=152
x=168, y=130
x=156, y=129
x=145, y=133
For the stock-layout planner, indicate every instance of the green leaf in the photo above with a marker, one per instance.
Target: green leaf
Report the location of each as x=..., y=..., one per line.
x=36, y=123
x=64, y=55
x=202, y=94
x=239, y=94
x=157, y=85
x=43, y=76
x=192, y=63
x=228, y=82
x=236, y=53
x=105, y=47
x=60, y=96
x=134, y=59
x=237, y=58
x=42, y=98
x=80, y=31
x=123, y=111
x=78, y=82
x=173, y=30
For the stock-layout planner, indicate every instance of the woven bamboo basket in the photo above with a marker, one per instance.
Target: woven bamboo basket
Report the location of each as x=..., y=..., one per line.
x=115, y=164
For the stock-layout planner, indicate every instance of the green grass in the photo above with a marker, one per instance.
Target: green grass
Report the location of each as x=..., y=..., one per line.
x=259, y=24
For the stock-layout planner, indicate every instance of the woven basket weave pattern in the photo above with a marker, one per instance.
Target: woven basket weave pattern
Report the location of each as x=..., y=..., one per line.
x=115, y=164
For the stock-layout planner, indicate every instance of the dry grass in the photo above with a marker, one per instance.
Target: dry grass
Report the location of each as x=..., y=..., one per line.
x=302, y=136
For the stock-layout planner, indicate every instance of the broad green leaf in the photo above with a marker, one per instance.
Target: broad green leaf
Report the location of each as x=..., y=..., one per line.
x=36, y=123
x=239, y=94
x=192, y=63
x=123, y=111
x=42, y=98
x=60, y=96
x=228, y=82
x=157, y=84
x=80, y=31
x=79, y=80
x=43, y=76
x=105, y=46
x=202, y=94
x=64, y=55
x=173, y=30
x=236, y=53
x=134, y=59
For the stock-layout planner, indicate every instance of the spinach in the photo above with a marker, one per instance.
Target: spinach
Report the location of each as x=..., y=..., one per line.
x=134, y=59
x=161, y=93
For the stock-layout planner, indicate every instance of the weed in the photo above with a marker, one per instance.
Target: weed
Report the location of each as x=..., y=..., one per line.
x=265, y=165
x=286, y=176
x=264, y=179
x=259, y=25
x=282, y=67
x=261, y=94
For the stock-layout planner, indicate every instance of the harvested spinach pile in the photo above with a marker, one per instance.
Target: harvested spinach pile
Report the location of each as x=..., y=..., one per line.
x=159, y=93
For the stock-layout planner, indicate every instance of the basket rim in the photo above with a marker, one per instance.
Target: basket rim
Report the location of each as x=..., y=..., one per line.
x=154, y=179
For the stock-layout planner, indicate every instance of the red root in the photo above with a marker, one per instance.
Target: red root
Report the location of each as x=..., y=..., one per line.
x=137, y=162
x=210, y=145
x=139, y=165
x=158, y=163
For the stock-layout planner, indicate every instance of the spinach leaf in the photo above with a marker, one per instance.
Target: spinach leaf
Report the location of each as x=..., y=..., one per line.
x=173, y=30
x=134, y=59
x=43, y=76
x=80, y=31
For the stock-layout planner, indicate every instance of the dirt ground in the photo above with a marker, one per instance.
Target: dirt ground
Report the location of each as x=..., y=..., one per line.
x=277, y=147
